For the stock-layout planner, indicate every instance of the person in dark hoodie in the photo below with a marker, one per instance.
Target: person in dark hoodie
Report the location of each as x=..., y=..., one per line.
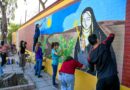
x=106, y=68
x=36, y=35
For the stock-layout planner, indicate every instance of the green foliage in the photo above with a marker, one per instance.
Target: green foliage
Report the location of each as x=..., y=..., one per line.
x=12, y=28
x=44, y=43
x=49, y=56
x=67, y=47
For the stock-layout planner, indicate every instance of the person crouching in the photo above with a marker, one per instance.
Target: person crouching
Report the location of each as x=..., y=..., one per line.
x=66, y=73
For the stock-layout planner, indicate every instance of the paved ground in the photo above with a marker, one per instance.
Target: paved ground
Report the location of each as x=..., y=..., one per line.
x=44, y=83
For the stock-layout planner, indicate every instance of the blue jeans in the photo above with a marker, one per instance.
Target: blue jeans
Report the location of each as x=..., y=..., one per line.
x=54, y=67
x=67, y=81
x=3, y=59
x=38, y=66
x=1, y=70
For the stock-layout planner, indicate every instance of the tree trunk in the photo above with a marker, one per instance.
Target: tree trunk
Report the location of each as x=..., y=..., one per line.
x=4, y=23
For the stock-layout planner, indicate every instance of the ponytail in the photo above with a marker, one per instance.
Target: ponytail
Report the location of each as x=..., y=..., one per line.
x=52, y=45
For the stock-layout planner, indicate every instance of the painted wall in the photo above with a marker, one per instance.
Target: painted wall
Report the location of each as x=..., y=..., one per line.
x=64, y=25
x=14, y=38
x=83, y=81
x=26, y=34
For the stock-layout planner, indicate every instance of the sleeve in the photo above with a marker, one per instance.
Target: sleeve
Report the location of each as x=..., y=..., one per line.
x=78, y=65
x=91, y=67
x=91, y=64
x=36, y=30
x=109, y=40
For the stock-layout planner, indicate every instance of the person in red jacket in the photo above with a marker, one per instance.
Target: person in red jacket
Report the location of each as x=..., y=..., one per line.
x=66, y=73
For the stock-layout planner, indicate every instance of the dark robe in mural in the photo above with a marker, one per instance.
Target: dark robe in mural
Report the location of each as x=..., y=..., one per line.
x=81, y=56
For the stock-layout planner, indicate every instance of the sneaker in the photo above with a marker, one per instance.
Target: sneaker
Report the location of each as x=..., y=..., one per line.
x=36, y=74
x=40, y=76
x=55, y=85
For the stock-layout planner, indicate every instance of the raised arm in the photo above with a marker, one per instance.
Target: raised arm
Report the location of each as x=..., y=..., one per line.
x=109, y=39
x=110, y=35
x=78, y=64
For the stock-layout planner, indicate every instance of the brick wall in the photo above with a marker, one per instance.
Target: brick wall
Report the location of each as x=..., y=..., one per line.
x=26, y=34
x=126, y=65
x=118, y=46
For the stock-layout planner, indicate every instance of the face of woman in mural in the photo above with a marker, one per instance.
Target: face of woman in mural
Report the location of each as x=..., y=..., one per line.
x=86, y=20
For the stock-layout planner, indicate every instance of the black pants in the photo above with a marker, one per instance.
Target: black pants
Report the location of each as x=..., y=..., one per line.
x=34, y=43
x=3, y=59
x=110, y=83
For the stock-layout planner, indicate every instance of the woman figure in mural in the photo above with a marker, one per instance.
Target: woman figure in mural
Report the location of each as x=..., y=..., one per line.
x=89, y=26
x=36, y=35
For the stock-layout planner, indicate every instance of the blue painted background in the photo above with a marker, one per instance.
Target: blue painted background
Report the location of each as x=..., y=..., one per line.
x=64, y=19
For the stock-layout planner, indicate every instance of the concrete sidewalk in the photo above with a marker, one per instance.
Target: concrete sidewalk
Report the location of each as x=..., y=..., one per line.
x=44, y=83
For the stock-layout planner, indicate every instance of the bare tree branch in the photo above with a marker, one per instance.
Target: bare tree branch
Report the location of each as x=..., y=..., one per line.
x=43, y=3
x=0, y=4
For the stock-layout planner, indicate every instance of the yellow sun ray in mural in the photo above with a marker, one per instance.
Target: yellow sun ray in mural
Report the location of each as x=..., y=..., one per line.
x=49, y=22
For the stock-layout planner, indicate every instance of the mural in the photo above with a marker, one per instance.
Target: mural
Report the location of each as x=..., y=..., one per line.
x=71, y=26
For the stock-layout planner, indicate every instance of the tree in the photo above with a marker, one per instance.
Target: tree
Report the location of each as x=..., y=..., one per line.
x=12, y=28
x=7, y=10
x=43, y=3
